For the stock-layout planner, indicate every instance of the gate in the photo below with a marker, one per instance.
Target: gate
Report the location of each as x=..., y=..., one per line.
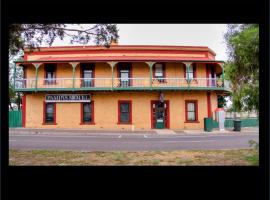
x=15, y=118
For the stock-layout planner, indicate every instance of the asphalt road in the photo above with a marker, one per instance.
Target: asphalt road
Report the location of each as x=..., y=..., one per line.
x=121, y=142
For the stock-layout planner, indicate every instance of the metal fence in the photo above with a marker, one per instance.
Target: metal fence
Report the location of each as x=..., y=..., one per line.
x=246, y=122
x=15, y=118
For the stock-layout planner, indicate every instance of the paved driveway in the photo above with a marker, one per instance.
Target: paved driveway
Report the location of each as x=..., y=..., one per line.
x=131, y=142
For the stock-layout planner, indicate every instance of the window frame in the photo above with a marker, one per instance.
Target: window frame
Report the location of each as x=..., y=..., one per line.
x=87, y=66
x=53, y=81
x=125, y=66
x=119, y=111
x=194, y=68
x=196, y=111
x=45, y=112
x=92, y=112
x=163, y=65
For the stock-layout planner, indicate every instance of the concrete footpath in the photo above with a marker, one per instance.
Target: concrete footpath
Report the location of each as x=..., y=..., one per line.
x=58, y=131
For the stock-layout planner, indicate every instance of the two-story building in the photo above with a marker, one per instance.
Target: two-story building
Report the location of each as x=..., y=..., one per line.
x=129, y=87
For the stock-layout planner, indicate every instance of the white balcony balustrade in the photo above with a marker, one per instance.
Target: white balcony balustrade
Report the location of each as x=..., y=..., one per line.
x=131, y=82
x=76, y=83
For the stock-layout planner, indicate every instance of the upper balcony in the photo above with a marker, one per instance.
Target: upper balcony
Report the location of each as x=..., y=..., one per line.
x=121, y=68
x=97, y=84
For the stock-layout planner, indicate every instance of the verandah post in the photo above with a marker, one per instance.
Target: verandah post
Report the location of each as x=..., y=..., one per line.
x=37, y=66
x=112, y=64
x=74, y=65
x=150, y=64
x=187, y=68
x=223, y=84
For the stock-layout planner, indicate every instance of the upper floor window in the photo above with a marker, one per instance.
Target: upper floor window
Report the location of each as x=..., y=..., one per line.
x=125, y=73
x=191, y=74
x=50, y=73
x=159, y=71
x=87, y=74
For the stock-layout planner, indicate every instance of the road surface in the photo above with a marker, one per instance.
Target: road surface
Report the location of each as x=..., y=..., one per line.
x=131, y=142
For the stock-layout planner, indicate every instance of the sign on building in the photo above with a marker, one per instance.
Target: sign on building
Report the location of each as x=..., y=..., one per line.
x=68, y=98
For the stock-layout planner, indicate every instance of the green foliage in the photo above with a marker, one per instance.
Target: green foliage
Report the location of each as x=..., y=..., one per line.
x=33, y=35
x=242, y=69
x=221, y=101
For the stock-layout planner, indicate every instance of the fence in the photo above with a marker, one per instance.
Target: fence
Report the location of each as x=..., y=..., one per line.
x=241, y=114
x=15, y=119
x=246, y=122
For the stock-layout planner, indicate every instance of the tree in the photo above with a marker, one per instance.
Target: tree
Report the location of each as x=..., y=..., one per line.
x=221, y=101
x=242, y=68
x=33, y=35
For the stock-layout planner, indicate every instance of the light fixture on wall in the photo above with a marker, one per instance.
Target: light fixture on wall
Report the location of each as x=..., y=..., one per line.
x=161, y=97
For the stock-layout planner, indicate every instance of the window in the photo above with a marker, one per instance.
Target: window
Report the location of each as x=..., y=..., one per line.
x=49, y=113
x=124, y=112
x=191, y=74
x=191, y=111
x=159, y=72
x=125, y=74
x=87, y=113
x=87, y=74
x=50, y=74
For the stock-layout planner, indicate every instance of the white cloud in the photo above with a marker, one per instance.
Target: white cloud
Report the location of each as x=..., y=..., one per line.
x=210, y=35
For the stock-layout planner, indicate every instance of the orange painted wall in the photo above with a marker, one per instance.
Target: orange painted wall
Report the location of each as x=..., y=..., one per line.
x=106, y=110
x=103, y=70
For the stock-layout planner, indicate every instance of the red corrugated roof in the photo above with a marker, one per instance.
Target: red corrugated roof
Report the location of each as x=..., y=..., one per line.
x=124, y=47
x=110, y=58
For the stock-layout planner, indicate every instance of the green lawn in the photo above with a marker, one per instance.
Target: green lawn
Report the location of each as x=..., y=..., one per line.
x=180, y=158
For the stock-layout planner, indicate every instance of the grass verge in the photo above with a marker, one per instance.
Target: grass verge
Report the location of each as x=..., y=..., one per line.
x=152, y=158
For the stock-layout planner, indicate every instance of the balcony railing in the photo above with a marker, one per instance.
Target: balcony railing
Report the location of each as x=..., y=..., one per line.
x=120, y=83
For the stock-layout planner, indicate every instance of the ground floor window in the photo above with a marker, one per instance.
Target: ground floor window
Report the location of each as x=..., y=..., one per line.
x=87, y=113
x=191, y=110
x=124, y=112
x=49, y=113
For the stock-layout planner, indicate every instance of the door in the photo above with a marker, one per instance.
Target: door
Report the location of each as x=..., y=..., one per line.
x=160, y=114
x=87, y=75
x=213, y=75
x=124, y=74
x=124, y=78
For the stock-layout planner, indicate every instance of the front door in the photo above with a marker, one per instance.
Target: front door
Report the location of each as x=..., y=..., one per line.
x=160, y=114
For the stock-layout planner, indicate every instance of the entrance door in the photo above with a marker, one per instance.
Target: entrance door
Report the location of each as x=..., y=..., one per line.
x=160, y=114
